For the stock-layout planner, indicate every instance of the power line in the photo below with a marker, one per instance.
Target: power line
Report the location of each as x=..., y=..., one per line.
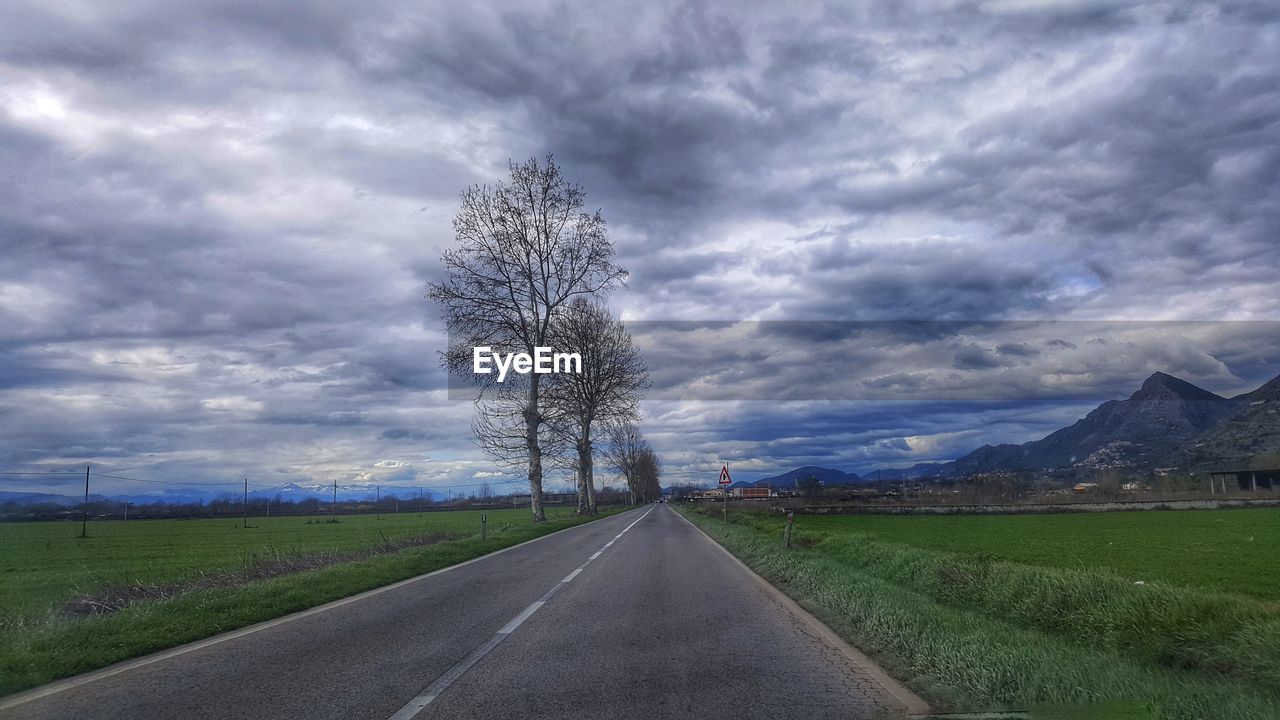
x=169, y=482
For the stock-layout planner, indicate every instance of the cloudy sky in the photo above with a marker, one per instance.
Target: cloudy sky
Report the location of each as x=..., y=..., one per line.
x=923, y=225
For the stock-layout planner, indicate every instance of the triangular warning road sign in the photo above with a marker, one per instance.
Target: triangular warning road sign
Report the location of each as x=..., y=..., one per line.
x=724, y=475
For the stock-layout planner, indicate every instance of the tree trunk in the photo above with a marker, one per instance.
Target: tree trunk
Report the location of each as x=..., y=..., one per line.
x=583, y=505
x=586, y=469
x=531, y=421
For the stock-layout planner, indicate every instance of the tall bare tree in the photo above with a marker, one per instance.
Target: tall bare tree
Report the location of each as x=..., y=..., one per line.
x=608, y=389
x=648, y=473
x=525, y=248
x=624, y=452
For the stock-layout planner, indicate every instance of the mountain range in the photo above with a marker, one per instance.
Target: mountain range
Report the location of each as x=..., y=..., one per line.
x=290, y=492
x=789, y=479
x=1168, y=422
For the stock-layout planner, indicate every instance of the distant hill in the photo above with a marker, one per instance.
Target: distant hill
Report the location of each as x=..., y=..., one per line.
x=828, y=477
x=1167, y=422
x=35, y=498
x=1163, y=416
x=919, y=470
x=1248, y=437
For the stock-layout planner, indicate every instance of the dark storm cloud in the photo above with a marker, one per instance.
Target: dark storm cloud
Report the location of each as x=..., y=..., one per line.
x=766, y=439
x=782, y=361
x=972, y=357
x=217, y=219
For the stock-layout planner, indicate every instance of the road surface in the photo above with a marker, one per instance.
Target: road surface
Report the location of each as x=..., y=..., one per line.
x=638, y=615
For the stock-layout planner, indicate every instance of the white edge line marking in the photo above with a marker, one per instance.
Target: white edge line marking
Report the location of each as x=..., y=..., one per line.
x=914, y=704
x=571, y=576
x=593, y=557
x=432, y=691
x=75, y=681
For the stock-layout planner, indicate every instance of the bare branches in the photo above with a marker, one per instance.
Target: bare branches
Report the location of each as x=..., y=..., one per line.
x=608, y=388
x=613, y=376
x=631, y=455
x=648, y=473
x=525, y=249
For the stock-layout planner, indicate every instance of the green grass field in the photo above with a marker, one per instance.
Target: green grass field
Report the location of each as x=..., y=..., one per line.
x=1016, y=612
x=45, y=564
x=1232, y=551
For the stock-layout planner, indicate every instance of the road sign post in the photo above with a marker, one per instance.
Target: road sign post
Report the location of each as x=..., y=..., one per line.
x=84, y=512
x=484, y=524
x=725, y=482
x=791, y=518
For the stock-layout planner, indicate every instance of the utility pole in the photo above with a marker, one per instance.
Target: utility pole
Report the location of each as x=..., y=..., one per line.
x=84, y=514
x=333, y=507
x=126, y=511
x=377, y=503
x=246, y=503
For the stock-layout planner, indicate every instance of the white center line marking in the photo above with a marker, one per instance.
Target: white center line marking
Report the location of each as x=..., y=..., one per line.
x=432, y=691
x=524, y=615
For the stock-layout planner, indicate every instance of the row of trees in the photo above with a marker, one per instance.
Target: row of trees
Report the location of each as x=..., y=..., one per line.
x=633, y=457
x=531, y=269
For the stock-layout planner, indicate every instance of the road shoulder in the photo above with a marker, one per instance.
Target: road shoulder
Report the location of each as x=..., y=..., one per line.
x=913, y=704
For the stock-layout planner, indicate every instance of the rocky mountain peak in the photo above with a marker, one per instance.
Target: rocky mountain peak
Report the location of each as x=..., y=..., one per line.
x=1165, y=385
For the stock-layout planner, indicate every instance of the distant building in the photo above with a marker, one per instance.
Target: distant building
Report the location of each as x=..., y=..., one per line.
x=715, y=494
x=1265, y=479
x=1085, y=487
x=753, y=492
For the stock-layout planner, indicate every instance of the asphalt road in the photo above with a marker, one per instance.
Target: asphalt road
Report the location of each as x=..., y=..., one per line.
x=638, y=615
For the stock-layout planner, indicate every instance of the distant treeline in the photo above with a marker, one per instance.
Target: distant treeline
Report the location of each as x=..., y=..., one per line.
x=230, y=506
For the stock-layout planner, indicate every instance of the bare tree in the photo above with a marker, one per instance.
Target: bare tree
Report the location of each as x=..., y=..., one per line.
x=607, y=390
x=648, y=473
x=500, y=430
x=525, y=249
x=626, y=447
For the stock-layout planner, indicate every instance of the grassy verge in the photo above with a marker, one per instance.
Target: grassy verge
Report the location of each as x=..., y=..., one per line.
x=970, y=632
x=46, y=564
x=32, y=654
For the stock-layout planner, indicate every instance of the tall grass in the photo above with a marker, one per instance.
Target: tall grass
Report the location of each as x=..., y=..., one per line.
x=976, y=633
